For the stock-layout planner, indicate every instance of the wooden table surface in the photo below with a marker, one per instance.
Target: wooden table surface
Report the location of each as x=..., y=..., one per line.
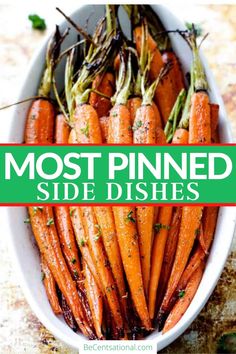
x=20, y=330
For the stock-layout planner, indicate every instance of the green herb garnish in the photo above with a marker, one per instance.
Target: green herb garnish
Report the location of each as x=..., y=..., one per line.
x=73, y=260
x=85, y=130
x=181, y=293
x=27, y=221
x=159, y=226
x=137, y=125
x=37, y=22
x=50, y=222
x=130, y=217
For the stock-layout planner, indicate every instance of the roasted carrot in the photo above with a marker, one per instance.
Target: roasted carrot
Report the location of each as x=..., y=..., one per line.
x=67, y=240
x=40, y=121
x=120, y=126
x=50, y=287
x=87, y=125
x=214, y=122
x=105, y=84
x=101, y=261
x=175, y=72
x=183, y=302
x=209, y=222
x=62, y=130
x=68, y=315
x=81, y=238
x=160, y=136
x=145, y=127
x=169, y=254
x=129, y=248
x=181, y=136
x=95, y=300
x=200, y=119
x=48, y=242
x=158, y=247
x=145, y=221
x=106, y=222
x=104, y=124
x=119, y=133
x=200, y=112
x=191, y=217
x=133, y=104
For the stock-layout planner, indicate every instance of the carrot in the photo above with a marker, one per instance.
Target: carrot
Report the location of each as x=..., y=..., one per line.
x=67, y=314
x=67, y=240
x=169, y=254
x=158, y=248
x=183, y=302
x=50, y=287
x=116, y=63
x=40, y=123
x=49, y=245
x=145, y=125
x=104, y=124
x=145, y=221
x=101, y=261
x=105, y=84
x=214, y=122
x=200, y=119
x=157, y=61
x=209, y=222
x=77, y=223
x=120, y=125
x=87, y=125
x=160, y=136
x=200, y=112
x=106, y=222
x=157, y=115
x=129, y=248
x=181, y=136
x=191, y=217
x=133, y=104
x=175, y=72
x=119, y=133
x=62, y=130
x=94, y=296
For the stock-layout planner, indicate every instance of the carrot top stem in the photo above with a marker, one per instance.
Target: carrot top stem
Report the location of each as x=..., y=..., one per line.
x=96, y=61
x=184, y=121
x=149, y=92
x=79, y=29
x=200, y=80
x=110, y=19
x=52, y=54
x=123, y=82
x=143, y=62
x=171, y=124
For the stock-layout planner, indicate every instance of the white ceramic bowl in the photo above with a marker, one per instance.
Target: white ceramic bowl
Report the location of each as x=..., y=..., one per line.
x=24, y=250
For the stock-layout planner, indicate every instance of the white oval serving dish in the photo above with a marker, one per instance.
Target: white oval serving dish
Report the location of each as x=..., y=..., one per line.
x=22, y=244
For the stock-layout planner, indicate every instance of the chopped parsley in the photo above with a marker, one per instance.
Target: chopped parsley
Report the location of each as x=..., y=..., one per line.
x=85, y=130
x=73, y=260
x=99, y=233
x=137, y=125
x=50, y=222
x=37, y=22
x=181, y=293
x=129, y=217
x=82, y=243
x=27, y=221
x=159, y=226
